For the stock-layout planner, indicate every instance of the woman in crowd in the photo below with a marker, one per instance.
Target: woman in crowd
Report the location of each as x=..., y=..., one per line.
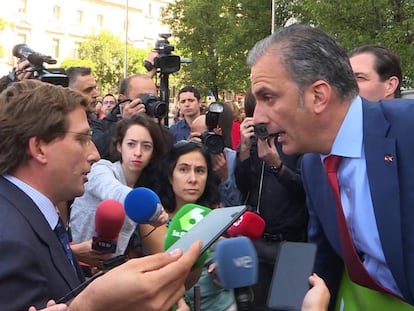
x=137, y=147
x=187, y=177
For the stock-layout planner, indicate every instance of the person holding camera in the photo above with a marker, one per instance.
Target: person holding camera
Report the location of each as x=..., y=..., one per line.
x=189, y=100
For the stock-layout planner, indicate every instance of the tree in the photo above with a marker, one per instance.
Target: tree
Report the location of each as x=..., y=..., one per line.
x=105, y=54
x=217, y=35
x=3, y=24
x=353, y=23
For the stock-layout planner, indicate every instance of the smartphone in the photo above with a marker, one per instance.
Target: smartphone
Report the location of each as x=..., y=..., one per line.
x=210, y=228
x=293, y=267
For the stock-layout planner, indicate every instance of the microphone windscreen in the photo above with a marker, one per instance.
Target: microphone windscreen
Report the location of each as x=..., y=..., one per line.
x=143, y=205
x=249, y=224
x=237, y=262
x=186, y=218
x=35, y=59
x=109, y=218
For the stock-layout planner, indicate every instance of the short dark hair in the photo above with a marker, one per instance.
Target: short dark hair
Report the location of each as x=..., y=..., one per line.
x=190, y=89
x=31, y=108
x=308, y=54
x=387, y=64
x=74, y=72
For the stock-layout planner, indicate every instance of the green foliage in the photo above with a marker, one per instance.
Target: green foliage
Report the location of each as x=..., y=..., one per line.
x=218, y=34
x=105, y=54
x=359, y=22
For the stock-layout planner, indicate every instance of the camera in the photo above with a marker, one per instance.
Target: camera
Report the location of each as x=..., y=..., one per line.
x=166, y=62
x=36, y=60
x=154, y=106
x=212, y=141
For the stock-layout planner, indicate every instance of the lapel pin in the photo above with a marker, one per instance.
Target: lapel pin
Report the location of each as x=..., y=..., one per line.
x=388, y=158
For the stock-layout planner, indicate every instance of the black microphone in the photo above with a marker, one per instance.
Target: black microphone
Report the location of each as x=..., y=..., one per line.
x=22, y=51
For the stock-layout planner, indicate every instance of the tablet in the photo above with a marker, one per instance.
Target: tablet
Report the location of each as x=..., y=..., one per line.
x=210, y=228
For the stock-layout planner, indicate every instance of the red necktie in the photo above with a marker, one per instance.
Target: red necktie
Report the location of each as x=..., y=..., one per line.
x=355, y=268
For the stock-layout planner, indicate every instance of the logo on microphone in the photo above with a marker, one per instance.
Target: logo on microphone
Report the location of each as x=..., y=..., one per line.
x=238, y=221
x=243, y=262
x=190, y=219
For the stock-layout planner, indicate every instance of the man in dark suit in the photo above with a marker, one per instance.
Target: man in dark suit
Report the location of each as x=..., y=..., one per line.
x=307, y=96
x=46, y=152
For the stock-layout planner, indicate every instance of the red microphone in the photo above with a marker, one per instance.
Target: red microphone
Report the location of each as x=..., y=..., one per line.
x=249, y=224
x=109, y=218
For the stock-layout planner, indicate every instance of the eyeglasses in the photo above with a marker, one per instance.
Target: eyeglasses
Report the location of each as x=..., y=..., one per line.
x=108, y=102
x=84, y=138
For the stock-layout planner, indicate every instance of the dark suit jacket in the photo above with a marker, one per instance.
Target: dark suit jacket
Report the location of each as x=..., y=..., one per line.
x=33, y=265
x=388, y=129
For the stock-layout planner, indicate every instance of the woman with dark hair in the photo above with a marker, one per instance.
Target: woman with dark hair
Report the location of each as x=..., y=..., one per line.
x=137, y=147
x=187, y=176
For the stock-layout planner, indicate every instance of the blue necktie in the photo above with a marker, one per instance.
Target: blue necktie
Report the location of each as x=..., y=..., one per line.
x=63, y=237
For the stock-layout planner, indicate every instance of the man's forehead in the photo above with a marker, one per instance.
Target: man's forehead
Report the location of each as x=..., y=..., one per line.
x=140, y=86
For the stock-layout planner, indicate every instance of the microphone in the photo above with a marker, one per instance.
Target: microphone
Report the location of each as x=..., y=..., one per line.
x=237, y=268
x=143, y=205
x=109, y=218
x=186, y=218
x=237, y=262
x=22, y=51
x=249, y=224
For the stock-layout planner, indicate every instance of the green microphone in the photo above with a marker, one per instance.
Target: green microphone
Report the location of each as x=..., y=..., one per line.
x=186, y=218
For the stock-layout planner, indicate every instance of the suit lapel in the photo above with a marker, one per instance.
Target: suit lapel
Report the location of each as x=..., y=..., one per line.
x=382, y=168
x=35, y=218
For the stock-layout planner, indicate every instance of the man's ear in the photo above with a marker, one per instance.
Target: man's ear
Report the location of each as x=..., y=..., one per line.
x=320, y=93
x=37, y=149
x=390, y=86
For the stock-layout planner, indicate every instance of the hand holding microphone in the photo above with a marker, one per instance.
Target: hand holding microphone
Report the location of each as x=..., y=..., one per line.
x=143, y=206
x=109, y=218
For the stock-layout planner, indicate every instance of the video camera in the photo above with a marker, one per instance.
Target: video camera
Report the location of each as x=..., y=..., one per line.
x=154, y=107
x=166, y=62
x=36, y=60
x=212, y=141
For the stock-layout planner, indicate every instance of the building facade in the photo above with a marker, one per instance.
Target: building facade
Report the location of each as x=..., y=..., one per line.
x=58, y=27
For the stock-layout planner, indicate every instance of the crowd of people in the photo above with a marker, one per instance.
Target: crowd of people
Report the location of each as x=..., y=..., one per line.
x=309, y=102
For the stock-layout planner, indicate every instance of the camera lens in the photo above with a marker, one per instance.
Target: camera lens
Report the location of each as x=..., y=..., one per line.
x=153, y=106
x=213, y=142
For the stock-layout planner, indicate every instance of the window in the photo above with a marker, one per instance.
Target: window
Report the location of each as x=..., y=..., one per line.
x=21, y=38
x=79, y=16
x=56, y=47
x=22, y=6
x=56, y=12
x=76, y=49
x=99, y=20
x=149, y=10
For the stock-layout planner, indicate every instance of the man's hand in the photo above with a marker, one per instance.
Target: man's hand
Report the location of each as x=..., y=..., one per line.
x=84, y=252
x=246, y=135
x=132, y=107
x=150, y=283
x=220, y=166
x=266, y=150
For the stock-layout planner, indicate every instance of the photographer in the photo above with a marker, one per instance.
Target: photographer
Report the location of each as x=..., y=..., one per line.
x=209, y=131
x=23, y=70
